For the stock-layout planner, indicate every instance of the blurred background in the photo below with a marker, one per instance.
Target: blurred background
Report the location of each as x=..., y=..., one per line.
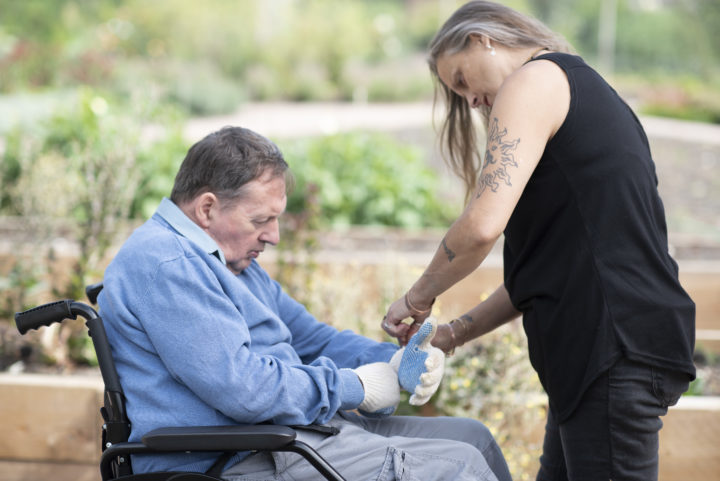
x=100, y=99
x=208, y=58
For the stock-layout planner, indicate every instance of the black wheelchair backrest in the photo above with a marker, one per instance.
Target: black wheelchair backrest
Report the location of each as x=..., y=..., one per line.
x=117, y=425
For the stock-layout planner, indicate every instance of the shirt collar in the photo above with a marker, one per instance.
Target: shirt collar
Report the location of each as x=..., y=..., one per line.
x=187, y=228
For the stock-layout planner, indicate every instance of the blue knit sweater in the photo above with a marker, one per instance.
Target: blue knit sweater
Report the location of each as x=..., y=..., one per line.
x=195, y=344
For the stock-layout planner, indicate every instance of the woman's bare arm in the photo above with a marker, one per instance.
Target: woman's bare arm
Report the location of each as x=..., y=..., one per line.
x=487, y=316
x=528, y=110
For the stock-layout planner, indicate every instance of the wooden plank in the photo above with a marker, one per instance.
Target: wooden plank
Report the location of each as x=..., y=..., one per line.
x=31, y=471
x=53, y=419
x=50, y=418
x=469, y=292
x=704, y=288
x=708, y=340
x=690, y=440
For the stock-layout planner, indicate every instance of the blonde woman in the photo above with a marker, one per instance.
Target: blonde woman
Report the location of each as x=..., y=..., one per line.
x=568, y=178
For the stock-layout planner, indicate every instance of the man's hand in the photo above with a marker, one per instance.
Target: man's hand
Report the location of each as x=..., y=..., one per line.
x=419, y=365
x=382, y=390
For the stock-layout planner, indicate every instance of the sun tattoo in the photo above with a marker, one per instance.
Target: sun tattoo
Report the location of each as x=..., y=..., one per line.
x=499, y=155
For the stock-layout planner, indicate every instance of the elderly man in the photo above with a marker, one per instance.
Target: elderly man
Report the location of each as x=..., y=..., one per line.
x=203, y=336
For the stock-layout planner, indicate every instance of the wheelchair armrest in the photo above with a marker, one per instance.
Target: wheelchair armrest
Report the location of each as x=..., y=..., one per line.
x=219, y=438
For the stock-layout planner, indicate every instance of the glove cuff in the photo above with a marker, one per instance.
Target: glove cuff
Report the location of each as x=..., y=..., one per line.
x=379, y=380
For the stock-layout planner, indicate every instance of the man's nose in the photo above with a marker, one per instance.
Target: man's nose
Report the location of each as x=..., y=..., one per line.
x=271, y=235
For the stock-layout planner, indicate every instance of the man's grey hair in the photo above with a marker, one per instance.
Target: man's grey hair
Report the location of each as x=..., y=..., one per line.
x=225, y=161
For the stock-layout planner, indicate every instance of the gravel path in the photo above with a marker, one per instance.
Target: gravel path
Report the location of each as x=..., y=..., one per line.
x=289, y=120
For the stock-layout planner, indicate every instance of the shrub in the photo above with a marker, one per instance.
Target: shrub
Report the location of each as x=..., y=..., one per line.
x=491, y=379
x=682, y=98
x=198, y=88
x=76, y=175
x=366, y=179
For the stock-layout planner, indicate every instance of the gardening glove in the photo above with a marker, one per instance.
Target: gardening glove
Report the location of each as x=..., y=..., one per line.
x=382, y=390
x=419, y=365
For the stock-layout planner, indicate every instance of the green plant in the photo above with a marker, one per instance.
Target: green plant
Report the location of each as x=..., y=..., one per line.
x=491, y=379
x=680, y=97
x=707, y=364
x=158, y=162
x=209, y=55
x=366, y=179
x=76, y=175
x=19, y=288
x=296, y=266
x=198, y=88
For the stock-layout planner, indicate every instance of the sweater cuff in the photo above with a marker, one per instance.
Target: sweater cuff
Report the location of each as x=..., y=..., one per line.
x=352, y=391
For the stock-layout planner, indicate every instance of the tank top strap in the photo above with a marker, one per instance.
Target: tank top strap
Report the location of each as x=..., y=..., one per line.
x=563, y=59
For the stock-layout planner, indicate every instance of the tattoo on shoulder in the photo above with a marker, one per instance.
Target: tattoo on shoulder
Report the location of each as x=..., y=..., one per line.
x=499, y=155
x=450, y=254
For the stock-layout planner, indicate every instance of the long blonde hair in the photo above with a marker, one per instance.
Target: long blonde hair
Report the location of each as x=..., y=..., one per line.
x=504, y=26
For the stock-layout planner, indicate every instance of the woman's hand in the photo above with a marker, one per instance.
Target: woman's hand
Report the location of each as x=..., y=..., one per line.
x=444, y=339
x=400, y=310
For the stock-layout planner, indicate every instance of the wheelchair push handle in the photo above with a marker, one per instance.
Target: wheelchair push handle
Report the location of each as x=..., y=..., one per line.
x=44, y=315
x=92, y=291
x=51, y=313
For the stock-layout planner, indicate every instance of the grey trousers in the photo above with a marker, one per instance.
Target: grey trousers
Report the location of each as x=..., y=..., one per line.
x=394, y=448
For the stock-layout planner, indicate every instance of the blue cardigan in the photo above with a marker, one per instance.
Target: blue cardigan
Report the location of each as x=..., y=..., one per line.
x=195, y=344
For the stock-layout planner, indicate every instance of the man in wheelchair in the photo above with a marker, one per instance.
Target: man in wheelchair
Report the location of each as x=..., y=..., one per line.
x=202, y=336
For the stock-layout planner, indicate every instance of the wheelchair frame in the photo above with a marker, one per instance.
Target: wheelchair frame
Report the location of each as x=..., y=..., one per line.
x=116, y=449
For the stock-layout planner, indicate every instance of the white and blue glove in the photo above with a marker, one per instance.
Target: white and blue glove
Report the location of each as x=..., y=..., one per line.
x=382, y=390
x=419, y=365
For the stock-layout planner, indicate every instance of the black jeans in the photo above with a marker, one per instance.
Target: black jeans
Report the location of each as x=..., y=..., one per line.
x=613, y=433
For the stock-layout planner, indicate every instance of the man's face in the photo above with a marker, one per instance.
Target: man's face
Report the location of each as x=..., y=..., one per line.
x=242, y=228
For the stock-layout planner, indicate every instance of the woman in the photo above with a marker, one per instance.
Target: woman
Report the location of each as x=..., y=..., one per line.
x=569, y=180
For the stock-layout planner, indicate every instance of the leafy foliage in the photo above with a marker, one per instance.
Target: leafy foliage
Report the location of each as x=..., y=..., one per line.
x=76, y=175
x=209, y=56
x=366, y=179
x=491, y=379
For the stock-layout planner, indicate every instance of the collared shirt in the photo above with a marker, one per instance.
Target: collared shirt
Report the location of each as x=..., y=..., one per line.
x=174, y=216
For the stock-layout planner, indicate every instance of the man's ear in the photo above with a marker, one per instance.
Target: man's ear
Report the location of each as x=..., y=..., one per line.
x=202, y=209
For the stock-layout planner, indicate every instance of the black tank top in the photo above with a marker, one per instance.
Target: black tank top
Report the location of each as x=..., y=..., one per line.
x=586, y=257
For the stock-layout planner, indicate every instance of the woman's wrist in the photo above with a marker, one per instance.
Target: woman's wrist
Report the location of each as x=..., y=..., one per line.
x=417, y=308
x=458, y=332
x=453, y=340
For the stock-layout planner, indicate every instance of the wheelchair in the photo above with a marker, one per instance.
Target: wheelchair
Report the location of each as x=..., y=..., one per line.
x=115, y=462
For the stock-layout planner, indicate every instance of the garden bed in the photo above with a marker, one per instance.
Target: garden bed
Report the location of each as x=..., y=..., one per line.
x=353, y=277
